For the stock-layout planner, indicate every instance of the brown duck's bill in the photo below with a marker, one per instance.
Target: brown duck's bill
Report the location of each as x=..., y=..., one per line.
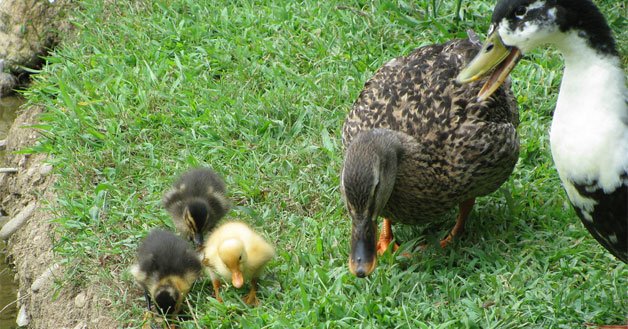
x=363, y=256
x=493, y=56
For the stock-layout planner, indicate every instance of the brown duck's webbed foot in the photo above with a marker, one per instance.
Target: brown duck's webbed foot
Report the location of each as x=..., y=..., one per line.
x=464, y=209
x=216, y=284
x=251, y=299
x=385, y=238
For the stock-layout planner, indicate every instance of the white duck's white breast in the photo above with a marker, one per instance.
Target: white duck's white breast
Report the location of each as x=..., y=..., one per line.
x=589, y=135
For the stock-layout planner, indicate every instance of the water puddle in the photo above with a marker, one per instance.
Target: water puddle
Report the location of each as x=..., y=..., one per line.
x=8, y=112
x=8, y=288
x=8, y=293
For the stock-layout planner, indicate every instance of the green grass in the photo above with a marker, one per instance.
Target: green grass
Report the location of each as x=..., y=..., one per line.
x=259, y=91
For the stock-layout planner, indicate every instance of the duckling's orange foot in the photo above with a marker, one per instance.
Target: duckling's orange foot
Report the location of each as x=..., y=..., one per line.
x=148, y=322
x=251, y=298
x=216, y=284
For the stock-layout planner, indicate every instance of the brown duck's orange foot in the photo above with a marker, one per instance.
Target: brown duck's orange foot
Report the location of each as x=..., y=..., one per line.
x=386, y=238
x=382, y=246
x=446, y=241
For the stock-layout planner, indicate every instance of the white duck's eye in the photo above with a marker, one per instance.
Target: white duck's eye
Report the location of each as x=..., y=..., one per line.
x=520, y=11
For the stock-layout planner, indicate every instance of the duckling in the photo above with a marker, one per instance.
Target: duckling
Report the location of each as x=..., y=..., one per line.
x=167, y=267
x=196, y=203
x=416, y=145
x=235, y=251
x=589, y=132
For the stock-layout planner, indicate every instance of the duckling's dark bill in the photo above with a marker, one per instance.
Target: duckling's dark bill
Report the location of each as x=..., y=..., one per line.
x=494, y=56
x=363, y=257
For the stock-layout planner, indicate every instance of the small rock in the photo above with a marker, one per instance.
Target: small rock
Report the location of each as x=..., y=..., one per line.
x=14, y=224
x=7, y=170
x=22, y=317
x=80, y=300
x=3, y=144
x=45, y=169
x=81, y=325
x=31, y=172
x=45, y=278
x=7, y=83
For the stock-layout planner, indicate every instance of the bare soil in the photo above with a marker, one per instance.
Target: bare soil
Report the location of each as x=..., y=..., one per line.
x=30, y=249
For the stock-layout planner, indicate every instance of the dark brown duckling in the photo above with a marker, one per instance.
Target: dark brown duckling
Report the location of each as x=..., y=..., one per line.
x=167, y=266
x=196, y=203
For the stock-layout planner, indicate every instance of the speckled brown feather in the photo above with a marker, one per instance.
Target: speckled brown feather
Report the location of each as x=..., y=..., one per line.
x=453, y=147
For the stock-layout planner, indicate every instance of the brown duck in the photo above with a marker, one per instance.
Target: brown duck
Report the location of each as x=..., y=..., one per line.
x=417, y=144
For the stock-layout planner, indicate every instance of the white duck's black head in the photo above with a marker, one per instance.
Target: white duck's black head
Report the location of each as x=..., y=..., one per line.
x=526, y=24
x=518, y=26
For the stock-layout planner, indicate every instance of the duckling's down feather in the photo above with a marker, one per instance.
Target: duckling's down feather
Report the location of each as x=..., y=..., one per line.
x=257, y=250
x=164, y=254
x=201, y=184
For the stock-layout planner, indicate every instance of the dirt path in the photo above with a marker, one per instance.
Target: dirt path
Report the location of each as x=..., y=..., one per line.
x=30, y=248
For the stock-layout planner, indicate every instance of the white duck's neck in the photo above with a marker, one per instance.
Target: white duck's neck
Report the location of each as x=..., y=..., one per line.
x=589, y=135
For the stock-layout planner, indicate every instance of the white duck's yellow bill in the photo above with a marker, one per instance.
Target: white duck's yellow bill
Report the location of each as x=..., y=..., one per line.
x=493, y=56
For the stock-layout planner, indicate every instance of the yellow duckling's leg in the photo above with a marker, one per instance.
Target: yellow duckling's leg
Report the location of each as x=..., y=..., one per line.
x=251, y=298
x=464, y=209
x=216, y=284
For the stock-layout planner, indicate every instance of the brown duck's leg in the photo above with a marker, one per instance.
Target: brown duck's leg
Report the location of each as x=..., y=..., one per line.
x=216, y=284
x=464, y=209
x=251, y=298
x=385, y=238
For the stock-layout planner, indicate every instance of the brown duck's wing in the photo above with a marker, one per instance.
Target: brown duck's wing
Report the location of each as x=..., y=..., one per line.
x=416, y=94
x=454, y=147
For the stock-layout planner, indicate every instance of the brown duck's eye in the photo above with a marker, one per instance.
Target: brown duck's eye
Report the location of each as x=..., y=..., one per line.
x=520, y=11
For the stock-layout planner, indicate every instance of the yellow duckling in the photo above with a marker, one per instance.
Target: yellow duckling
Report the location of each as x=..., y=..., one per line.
x=167, y=267
x=236, y=251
